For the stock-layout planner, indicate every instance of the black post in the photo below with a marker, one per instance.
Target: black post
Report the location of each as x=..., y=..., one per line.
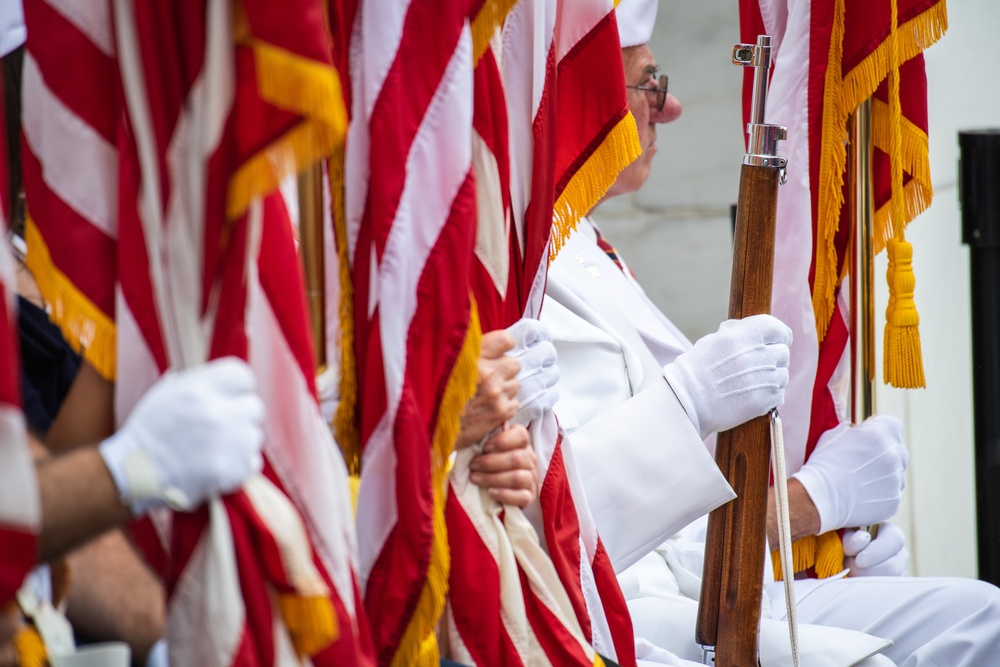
x=979, y=194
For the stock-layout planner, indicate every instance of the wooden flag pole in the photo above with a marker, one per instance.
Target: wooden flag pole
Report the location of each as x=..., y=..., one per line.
x=310, y=188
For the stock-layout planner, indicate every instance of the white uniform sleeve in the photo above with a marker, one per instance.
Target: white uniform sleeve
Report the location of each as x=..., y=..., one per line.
x=646, y=473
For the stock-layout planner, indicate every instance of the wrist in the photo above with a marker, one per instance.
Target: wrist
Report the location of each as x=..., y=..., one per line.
x=677, y=381
x=135, y=476
x=815, y=498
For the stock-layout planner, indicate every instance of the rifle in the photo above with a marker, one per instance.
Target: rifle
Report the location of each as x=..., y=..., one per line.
x=732, y=581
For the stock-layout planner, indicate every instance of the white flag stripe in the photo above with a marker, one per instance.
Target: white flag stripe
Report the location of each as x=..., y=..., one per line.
x=92, y=18
x=436, y=167
x=207, y=596
x=791, y=301
x=313, y=474
x=19, y=504
x=135, y=356
x=84, y=177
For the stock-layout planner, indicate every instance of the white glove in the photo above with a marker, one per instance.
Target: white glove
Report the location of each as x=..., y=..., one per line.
x=539, y=373
x=855, y=474
x=733, y=375
x=884, y=556
x=195, y=434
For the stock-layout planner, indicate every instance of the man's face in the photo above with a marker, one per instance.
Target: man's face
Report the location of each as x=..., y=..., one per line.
x=641, y=70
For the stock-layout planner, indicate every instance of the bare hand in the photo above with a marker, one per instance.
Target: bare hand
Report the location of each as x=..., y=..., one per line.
x=496, y=394
x=508, y=468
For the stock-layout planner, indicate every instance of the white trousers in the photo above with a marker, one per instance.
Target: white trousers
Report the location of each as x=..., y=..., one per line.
x=933, y=622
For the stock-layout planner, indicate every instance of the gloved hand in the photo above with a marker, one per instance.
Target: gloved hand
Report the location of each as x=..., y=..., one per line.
x=539, y=373
x=737, y=373
x=195, y=434
x=884, y=556
x=855, y=474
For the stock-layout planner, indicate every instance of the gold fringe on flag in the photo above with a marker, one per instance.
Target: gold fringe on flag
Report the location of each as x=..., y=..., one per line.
x=841, y=96
x=823, y=552
x=592, y=180
x=489, y=19
x=833, y=160
x=88, y=330
x=297, y=84
x=345, y=422
x=310, y=621
x=418, y=646
x=30, y=648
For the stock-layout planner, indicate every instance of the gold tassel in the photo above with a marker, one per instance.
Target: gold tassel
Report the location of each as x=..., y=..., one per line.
x=592, y=180
x=310, y=620
x=418, y=646
x=85, y=327
x=823, y=552
x=903, y=365
x=30, y=648
x=902, y=362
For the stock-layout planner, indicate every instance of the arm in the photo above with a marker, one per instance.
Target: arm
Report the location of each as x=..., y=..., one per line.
x=79, y=501
x=802, y=512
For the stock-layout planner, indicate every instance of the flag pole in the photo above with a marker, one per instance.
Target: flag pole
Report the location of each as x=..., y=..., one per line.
x=310, y=189
x=862, y=326
x=862, y=270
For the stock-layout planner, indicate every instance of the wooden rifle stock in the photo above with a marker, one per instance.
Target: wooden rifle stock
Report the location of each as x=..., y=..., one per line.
x=732, y=580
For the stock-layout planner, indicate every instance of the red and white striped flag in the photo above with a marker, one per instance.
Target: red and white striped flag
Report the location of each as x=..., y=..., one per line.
x=507, y=604
x=410, y=201
x=831, y=55
x=20, y=512
x=534, y=166
x=212, y=105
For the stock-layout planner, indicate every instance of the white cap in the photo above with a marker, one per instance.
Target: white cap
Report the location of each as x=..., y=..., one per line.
x=635, y=21
x=12, y=30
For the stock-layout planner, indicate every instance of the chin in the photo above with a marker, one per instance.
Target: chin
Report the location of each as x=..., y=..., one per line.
x=630, y=179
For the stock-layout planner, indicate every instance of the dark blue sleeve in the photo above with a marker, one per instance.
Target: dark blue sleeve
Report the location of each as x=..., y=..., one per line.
x=48, y=366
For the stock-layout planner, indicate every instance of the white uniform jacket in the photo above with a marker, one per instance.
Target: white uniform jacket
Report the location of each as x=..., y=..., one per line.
x=624, y=422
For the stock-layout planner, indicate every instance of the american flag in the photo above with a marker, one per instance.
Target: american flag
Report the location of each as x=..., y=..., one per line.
x=507, y=604
x=830, y=57
x=20, y=512
x=410, y=229
x=169, y=248
x=533, y=167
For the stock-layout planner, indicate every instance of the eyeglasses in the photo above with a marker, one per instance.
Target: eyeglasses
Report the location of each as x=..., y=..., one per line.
x=660, y=91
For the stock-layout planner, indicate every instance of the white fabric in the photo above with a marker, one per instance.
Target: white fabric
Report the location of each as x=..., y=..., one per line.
x=934, y=622
x=855, y=476
x=539, y=372
x=520, y=559
x=885, y=555
x=733, y=375
x=616, y=409
x=195, y=434
x=635, y=21
x=12, y=29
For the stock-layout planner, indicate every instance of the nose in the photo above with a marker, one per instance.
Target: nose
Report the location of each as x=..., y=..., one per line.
x=671, y=111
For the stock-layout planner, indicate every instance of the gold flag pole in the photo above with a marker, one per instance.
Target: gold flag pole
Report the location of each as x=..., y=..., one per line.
x=862, y=269
x=310, y=184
